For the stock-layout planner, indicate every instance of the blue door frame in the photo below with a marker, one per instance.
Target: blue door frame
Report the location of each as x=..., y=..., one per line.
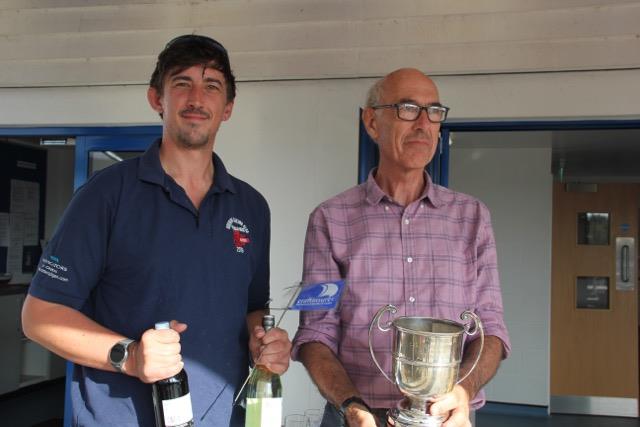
x=137, y=138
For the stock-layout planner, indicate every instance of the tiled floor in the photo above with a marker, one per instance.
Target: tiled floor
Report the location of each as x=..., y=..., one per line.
x=495, y=420
x=42, y=407
x=38, y=406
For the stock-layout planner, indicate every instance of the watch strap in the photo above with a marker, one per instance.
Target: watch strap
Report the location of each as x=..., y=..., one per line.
x=349, y=400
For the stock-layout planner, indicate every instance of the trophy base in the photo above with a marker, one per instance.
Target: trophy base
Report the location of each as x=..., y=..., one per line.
x=414, y=418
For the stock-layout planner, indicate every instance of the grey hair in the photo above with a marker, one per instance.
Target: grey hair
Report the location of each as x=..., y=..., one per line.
x=375, y=93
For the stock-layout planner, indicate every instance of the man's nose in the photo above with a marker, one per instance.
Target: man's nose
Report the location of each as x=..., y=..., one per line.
x=195, y=96
x=422, y=122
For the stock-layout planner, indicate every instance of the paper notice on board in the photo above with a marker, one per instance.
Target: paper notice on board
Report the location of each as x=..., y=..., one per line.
x=25, y=200
x=4, y=229
x=16, y=243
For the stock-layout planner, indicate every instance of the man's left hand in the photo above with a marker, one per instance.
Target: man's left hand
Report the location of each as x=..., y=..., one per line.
x=454, y=406
x=270, y=349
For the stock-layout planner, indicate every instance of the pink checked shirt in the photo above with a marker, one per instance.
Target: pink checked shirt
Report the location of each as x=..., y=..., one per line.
x=435, y=257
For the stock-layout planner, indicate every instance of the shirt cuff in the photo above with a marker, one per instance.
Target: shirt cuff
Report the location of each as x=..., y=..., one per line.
x=305, y=336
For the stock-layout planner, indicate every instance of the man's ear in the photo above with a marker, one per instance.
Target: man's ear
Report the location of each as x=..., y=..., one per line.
x=226, y=113
x=155, y=100
x=370, y=122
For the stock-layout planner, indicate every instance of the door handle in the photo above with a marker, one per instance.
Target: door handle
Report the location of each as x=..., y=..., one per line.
x=624, y=263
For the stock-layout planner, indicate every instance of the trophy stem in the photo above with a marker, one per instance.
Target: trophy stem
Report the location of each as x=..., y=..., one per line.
x=413, y=413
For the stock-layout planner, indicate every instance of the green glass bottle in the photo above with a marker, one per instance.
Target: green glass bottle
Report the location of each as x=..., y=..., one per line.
x=264, y=392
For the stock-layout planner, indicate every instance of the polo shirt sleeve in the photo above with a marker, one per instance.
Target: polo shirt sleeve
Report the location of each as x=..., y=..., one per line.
x=489, y=297
x=259, y=286
x=72, y=262
x=319, y=265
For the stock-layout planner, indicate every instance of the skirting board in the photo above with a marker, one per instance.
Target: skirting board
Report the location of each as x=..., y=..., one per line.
x=514, y=409
x=595, y=405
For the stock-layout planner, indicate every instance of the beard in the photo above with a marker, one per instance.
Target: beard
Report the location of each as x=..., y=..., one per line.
x=191, y=138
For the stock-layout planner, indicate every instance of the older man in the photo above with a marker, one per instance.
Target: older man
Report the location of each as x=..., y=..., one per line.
x=400, y=239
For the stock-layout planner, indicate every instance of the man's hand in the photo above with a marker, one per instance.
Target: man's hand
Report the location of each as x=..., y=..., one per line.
x=454, y=406
x=157, y=355
x=270, y=349
x=357, y=416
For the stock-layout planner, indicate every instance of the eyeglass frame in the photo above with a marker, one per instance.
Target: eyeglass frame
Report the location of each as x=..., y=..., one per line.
x=421, y=107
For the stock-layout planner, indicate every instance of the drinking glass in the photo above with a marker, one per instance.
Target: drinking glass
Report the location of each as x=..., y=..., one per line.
x=314, y=417
x=295, y=420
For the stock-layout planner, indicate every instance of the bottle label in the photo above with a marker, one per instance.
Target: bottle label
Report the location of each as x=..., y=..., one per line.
x=177, y=411
x=264, y=412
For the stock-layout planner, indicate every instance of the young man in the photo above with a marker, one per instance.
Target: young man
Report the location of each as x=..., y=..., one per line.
x=398, y=239
x=169, y=235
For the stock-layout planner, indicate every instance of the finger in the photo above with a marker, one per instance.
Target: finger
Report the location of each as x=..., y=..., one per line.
x=179, y=327
x=443, y=405
x=275, y=347
x=165, y=336
x=168, y=350
x=275, y=334
x=162, y=354
x=278, y=363
x=278, y=368
x=157, y=373
x=457, y=420
x=275, y=343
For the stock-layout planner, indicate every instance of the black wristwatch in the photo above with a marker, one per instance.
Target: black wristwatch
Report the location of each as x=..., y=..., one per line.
x=119, y=354
x=349, y=400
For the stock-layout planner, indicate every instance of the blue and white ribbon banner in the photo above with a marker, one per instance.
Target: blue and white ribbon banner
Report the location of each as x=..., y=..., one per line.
x=319, y=296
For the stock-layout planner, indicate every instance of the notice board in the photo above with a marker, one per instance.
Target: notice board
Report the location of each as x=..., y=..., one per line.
x=23, y=175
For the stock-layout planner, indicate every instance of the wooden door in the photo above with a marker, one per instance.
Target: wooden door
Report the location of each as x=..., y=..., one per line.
x=594, y=318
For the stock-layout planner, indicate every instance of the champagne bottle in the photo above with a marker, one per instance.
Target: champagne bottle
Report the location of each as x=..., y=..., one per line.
x=264, y=393
x=171, y=398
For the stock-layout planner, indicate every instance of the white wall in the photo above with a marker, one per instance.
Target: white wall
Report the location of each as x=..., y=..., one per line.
x=296, y=141
x=516, y=184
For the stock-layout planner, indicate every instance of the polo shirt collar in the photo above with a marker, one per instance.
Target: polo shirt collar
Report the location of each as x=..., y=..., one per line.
x=431, y=192
x=221, y=179
x=151, y=170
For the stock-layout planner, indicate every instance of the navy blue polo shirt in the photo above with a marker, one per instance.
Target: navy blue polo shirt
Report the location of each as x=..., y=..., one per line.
x=131, y=250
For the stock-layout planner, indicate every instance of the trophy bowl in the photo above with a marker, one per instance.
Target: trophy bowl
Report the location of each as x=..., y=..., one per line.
x=425, y=362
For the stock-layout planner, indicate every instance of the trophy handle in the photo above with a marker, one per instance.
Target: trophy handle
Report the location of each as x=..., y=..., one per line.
x=477, y=324
x=376, y=320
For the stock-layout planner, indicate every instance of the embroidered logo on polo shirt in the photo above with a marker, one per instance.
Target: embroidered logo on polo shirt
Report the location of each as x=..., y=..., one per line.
x=53, y=268
x=240, y=233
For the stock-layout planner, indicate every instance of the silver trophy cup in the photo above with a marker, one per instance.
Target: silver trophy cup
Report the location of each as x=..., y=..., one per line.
x=425, y=363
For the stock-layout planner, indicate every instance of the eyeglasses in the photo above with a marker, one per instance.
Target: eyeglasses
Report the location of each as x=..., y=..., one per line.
x=410, y=112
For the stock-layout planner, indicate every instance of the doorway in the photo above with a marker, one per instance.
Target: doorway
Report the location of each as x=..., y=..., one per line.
x=72, y=155
x=513, y=168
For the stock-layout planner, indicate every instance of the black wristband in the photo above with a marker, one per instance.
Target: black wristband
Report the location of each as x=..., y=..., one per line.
x=349, y=400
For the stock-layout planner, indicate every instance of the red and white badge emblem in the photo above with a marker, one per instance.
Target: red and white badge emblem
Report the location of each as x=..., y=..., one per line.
x=240, y=233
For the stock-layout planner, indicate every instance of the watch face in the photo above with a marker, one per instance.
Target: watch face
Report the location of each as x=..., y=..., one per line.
x=117, y=353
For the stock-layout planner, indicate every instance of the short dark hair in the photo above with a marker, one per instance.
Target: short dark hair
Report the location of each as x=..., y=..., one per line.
x=188, y=50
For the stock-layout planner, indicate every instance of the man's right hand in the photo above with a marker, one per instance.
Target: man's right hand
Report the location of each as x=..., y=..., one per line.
x=358, y=416
x=157, y=355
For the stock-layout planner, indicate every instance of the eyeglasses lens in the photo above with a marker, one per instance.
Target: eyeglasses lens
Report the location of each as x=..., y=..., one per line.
x=411, y=112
